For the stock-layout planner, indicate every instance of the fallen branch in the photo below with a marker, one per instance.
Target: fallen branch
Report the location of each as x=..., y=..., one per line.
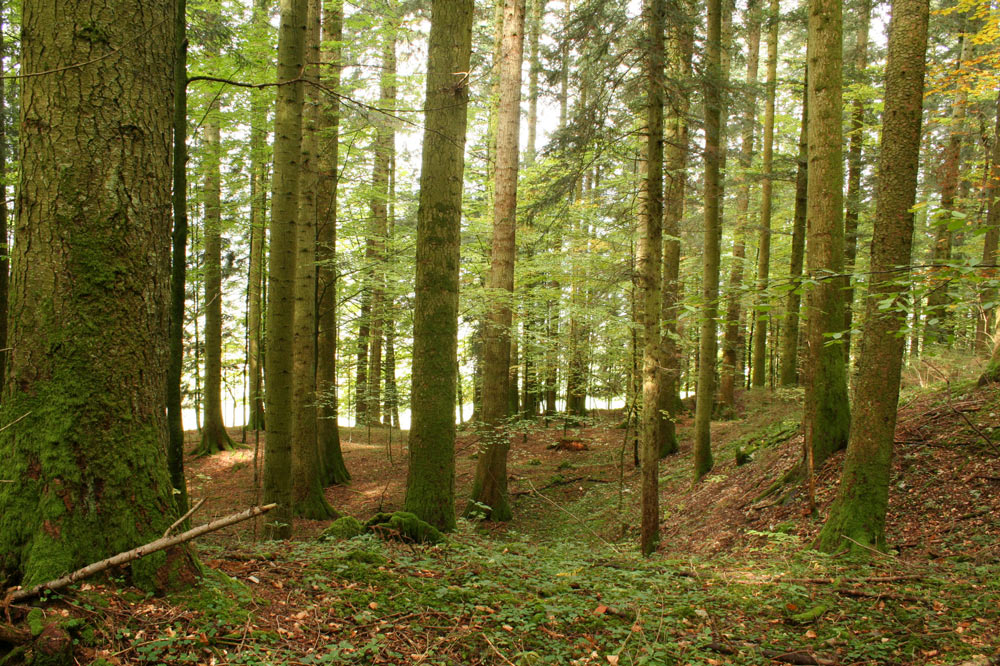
x=802, y=658
x=187, y=515
x=834, y=581
x=14, y=594
x=13, y=635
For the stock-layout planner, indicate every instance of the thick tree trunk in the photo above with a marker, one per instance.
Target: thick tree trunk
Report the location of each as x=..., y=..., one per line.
x=4, y=249
x=430, y=482
x=307, y=473
x=731, y=347
x=763, y=318
x=328, y=431
x=279, y=370
x=827, y=414
x=856, y=143
x=859, y=511
x=708, y=344
x=650, y=248
x=790, y=327
x=89, y=294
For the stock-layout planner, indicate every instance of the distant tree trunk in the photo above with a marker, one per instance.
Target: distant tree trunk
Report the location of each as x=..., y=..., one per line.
x=790, y=327
x=859, y=511
x=939, y=325
x=281, y=277
x=328, y=431
x=731, y=347
x=827, y=414
x=650, y=247
x=986, y=323
x=4, y=249
x=307, y=473
x=430, y=481
x=856, y=143
x=214, y=437
x=178, y=265
x=84, y=446
x=489, y=487
x=763, y=318
x=708, y=344
x=675, y=167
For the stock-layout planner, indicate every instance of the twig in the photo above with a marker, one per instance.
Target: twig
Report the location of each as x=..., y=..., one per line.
x=499, y=653
x=874, y=550
x=187, y=515
x=14, y=594
x=17, y=420
x=573, y=516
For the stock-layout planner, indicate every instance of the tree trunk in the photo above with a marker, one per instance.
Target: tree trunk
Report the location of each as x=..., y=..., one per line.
x=279, y=370
x=986, y=323
x=763, y=318
x=89, y=295
x=859, y=511
x=4, y=249
x=430, y=482
x=827, y=414
x=708, y=344
x=489, y=487
x=328, y=431
x=790, y=327
x=731, y=347
x=650, y=248
x=307, y=489
x=854, y=167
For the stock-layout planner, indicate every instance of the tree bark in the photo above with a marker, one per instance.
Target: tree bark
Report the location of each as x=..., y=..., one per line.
x=89, y=294
x=279, y=370
x=859, y=511
x=790, y=326
x=986, y=323
x=430, y=482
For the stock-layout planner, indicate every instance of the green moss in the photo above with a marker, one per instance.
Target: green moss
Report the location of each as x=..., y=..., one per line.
x=346, y=527
x=221, y=600
x=365, y=557
x=36, y=621
x=403, y=526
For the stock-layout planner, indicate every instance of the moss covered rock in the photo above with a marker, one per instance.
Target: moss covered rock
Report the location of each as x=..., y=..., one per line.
x=404, y=526
x=347, y=527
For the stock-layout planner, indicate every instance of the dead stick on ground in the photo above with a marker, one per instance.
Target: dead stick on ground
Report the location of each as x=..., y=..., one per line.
x=573, y=516
x=187, y=515
x=15, y=595
x=499, y=653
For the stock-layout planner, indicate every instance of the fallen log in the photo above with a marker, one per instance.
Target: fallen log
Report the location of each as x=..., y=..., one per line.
x=17, y=594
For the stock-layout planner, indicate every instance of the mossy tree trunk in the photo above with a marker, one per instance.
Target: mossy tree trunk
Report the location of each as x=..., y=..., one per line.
x=430, y=482
x=986, y=321
x=731, y=347
x=789, y=362
x=650, y=248
x=328, y=431
x=307, y=471
x=281, y=277
x=827, y=413
x=489, y=486
x=89, y=294
x=758, y=365
x=859, y=511
x=4, y=249
x=708, y=344
x=214, y=437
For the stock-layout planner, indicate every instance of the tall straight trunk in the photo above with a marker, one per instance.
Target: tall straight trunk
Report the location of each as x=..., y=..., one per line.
x=533, y=321
x=307, y=474
x=650, y=248
x=489, y=487
x=708, y=344
x=214, y=437
x=856, y=142
x=827, y=413
x=985, y=324
x=385, y=141
x=763, y=318
x=576, y=372
x=281, y=277
x=675, y=171
x=84, y=447
x=731, y=347
x=178, y=261
x=939, y=325
x=328, y=431
x=857, y=517
x=789, y=361
x=258, y=222
x=363, y=343
x=4, y=249
x=430, y=481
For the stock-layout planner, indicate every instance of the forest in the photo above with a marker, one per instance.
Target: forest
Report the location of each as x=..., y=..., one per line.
x=499, y=332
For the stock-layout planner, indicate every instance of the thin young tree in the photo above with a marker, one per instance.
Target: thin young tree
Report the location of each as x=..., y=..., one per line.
x=278, y=369
x=430, y=481
x=857, y=517
x=489, y=486
x=789, y=359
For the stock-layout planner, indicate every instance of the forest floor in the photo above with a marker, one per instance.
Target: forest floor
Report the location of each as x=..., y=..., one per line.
x=734, y=581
